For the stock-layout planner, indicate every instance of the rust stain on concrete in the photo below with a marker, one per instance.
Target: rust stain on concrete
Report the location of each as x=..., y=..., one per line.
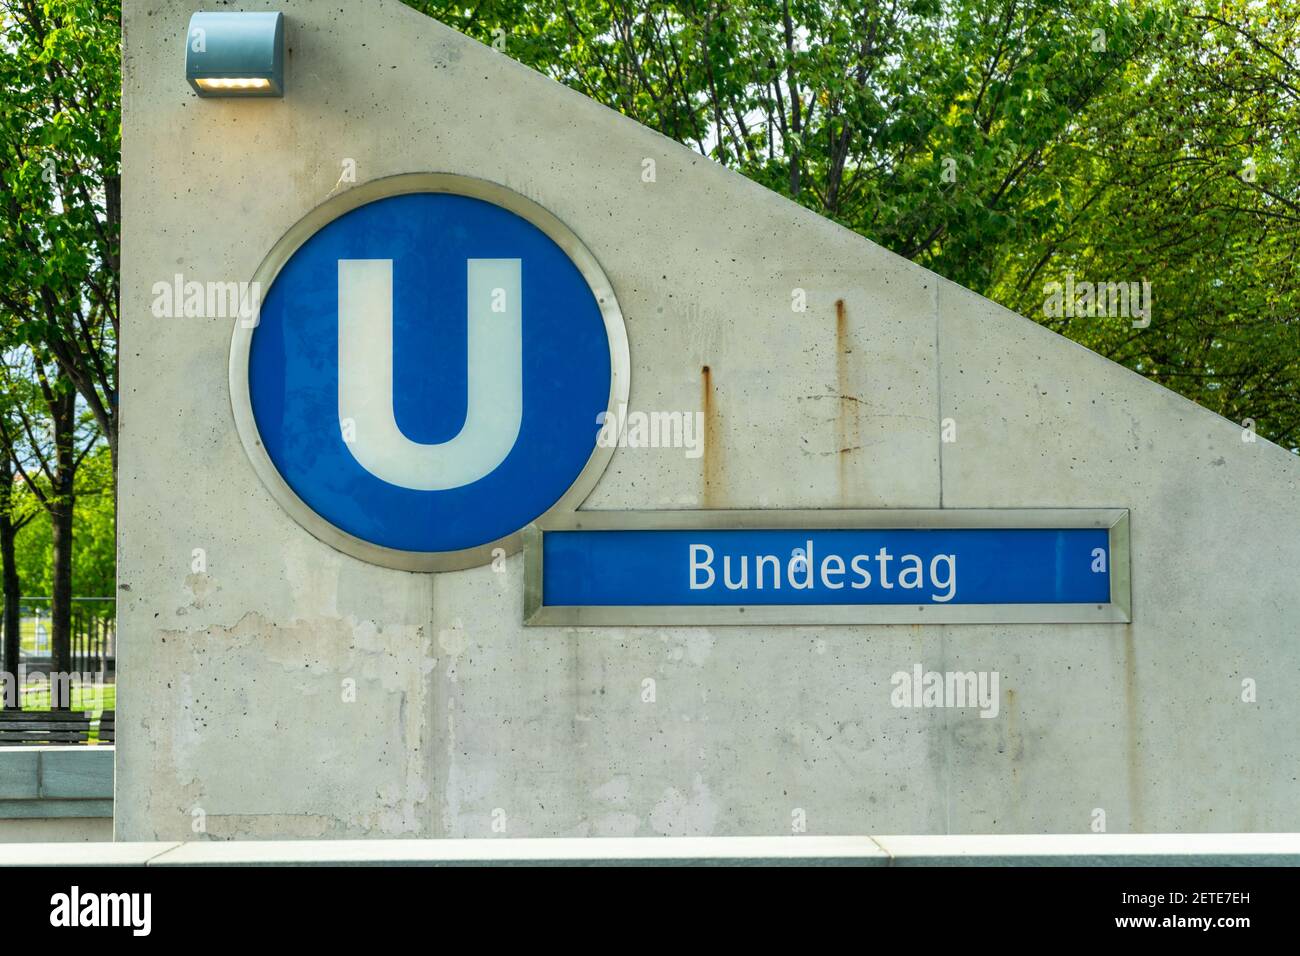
x=847, y=424
x=711, y=458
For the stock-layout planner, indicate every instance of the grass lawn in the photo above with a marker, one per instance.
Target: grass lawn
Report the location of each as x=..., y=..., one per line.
x=27, y=632
x=94, y=699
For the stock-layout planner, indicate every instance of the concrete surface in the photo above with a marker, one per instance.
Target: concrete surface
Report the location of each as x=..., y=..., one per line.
x=1095, y=849
x=231, y=720
x=1272, y=849
x=92, y=854
x=743, y=851
x=97, y=829
x=50, y=794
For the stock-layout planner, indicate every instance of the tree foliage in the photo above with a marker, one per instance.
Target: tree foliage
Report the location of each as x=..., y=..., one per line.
x=60, y=207
x=60, y=145
x=1006, y=144
x=93, y=529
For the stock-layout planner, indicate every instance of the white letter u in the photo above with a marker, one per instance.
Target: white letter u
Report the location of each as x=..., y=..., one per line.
x=495, y=402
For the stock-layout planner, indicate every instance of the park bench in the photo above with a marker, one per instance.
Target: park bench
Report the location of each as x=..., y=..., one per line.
x=107, y=722
x=43, y=727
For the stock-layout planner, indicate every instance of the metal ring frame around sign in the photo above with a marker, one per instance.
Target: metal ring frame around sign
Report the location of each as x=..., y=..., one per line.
x=498, y=195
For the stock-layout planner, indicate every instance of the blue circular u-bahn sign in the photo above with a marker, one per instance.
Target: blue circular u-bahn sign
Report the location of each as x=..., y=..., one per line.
x=428, y=369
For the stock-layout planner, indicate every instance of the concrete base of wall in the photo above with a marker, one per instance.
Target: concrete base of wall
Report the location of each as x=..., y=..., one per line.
x=59, y=830
x=56, y=794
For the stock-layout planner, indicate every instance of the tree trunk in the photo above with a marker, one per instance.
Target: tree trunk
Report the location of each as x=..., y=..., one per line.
x=9, y=572
x=64, y=409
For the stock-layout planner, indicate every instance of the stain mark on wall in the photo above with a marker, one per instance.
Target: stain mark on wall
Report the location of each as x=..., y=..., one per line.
x=1133, y=744
x=848, y=429
x=711, y=458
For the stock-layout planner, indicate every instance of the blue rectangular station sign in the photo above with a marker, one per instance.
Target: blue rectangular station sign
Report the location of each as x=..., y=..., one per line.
x=809, y=567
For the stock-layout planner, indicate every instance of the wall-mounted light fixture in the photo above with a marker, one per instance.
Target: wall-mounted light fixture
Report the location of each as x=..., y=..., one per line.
x=235, y=54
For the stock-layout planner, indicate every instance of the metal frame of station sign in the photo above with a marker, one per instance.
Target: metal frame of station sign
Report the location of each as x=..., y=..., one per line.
x=1114, y=521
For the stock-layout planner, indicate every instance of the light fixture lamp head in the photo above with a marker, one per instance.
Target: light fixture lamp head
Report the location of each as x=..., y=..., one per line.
x=235, y=54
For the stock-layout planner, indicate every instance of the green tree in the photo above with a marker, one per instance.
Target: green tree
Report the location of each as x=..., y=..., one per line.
x=93, y=563
x=1003, y=143
x=60, y=210
x=1188, y=175
x=47, y=441
x=60, y=199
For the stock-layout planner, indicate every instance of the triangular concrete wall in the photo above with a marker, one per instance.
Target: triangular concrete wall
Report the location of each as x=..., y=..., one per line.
x=231, y=677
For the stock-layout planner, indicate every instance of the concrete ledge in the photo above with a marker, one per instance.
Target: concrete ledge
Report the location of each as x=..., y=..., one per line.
x=1169, y=849
x=721, y=851
x=1102, y=849
x=81, y=854
x=48, y=782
